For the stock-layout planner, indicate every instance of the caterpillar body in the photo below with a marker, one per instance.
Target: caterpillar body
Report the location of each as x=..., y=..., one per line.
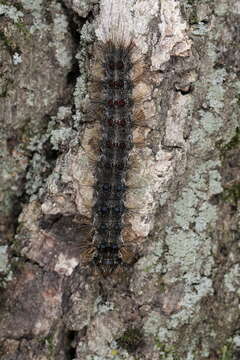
x=117, y=67
x=111, y=168
x=101, y=172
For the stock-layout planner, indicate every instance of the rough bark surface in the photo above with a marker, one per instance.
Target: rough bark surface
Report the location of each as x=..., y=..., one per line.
x=181, y=299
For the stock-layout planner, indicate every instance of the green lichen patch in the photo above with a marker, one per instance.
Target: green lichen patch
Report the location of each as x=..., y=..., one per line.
x=238, y=100
x=7, y=42
x=131, y=339
x=226, y=352
x=193, y=18
x=11, y=34
x=5, y=83
x=230, y=168
x=229, y=155
x=232, y=193
x=22, y=28
x=166, y=352
x=232, y=144
x=49, y=343
x=191, y=2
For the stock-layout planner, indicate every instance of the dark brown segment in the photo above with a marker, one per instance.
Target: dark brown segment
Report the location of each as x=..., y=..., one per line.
x=111, y=65
x=120, y=65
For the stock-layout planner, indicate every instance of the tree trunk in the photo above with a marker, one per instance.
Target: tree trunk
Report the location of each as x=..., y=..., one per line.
x=180, y=299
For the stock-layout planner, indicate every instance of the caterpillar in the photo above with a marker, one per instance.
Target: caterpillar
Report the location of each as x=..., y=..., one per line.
x=103, y=177
x=115, y=145
x=117, y=69
x=67, y=217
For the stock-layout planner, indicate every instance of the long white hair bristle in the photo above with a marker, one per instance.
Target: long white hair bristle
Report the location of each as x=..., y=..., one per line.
x=115, y=21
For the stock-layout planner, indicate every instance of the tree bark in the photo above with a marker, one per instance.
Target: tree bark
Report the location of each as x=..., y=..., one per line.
x=180, y=300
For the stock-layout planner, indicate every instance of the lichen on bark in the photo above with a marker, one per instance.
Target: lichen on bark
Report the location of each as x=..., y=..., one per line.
x=181, y=298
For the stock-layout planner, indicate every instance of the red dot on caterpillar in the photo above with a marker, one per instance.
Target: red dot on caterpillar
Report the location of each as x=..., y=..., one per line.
x=119, y=65
x=121, y=122
x=109, y=144
x=109, y=122
x=110, y=103
x=118, y=84
x=121, y=145
x=120, y=102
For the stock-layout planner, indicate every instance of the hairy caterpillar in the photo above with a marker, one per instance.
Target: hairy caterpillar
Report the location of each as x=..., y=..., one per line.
x=110, y=140
x=116, y=142
x=64, y=238
x=117, y=70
